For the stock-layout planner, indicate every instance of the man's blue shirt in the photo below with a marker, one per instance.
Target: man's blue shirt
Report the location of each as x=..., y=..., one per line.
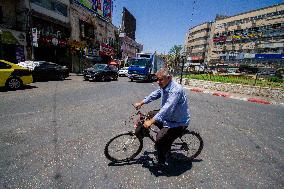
x=174, y=110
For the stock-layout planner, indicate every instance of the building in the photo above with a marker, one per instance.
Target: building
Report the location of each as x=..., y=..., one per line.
x=254, y=37
x=93, y=36
x=61, y=31
x=13, y=39
x=196, y=44
x=129, y=47
x=48, y=30
x=128, y=25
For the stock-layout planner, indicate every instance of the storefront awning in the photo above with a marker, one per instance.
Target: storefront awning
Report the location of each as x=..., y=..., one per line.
x=8, y=38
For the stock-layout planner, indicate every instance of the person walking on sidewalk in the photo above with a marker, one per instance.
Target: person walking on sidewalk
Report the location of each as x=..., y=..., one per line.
x=172, y=118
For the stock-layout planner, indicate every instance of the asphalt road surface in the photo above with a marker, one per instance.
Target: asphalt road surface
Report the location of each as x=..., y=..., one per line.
x=52, y=135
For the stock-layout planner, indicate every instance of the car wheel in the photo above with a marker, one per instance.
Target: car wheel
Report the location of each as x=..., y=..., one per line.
x=14, y=83
x=115, y=78
x=61, y=77
x=103, y=78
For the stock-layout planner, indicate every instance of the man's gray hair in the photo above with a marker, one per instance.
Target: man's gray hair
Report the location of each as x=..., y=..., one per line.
x=163, y=72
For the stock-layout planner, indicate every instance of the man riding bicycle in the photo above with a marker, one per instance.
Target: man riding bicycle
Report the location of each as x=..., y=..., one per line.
x=173, y=116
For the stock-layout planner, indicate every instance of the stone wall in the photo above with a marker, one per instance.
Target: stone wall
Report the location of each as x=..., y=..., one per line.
x=273, y=93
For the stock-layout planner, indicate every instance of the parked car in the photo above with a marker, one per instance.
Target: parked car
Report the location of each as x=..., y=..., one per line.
x=44, y=71
x=123, y=71
x=14, y=76
x=29, y=64
x=100, y=72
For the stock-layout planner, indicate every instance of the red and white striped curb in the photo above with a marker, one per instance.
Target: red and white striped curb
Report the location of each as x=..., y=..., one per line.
x=227, y=95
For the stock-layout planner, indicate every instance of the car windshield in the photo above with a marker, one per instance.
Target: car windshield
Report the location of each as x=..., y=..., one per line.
x=99, y=66
x=139, y=62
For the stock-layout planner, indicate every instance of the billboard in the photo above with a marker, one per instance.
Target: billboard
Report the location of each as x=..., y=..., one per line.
x=103, y=8
x=128, y=24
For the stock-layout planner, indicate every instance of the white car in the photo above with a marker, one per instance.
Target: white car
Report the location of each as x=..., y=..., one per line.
x=123, y=71
x=29, y=64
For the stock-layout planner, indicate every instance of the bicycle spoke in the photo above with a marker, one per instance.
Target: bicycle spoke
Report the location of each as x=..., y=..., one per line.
x=187, y=147
x=123, y=147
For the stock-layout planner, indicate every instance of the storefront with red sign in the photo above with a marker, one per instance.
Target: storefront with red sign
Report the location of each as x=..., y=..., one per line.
x=106, y=52
x=197, y=59
x=50, y=40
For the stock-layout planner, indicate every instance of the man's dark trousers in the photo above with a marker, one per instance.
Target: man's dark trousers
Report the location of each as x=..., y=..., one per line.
x=165, y=137
x=164, y=140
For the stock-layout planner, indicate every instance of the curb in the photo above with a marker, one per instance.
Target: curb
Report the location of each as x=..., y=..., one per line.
x=221, y=94
x=227, y=95
x=260, y=101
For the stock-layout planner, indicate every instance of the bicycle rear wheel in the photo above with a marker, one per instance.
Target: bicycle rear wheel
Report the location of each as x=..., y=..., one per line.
x=187, y=147
x=123, y=147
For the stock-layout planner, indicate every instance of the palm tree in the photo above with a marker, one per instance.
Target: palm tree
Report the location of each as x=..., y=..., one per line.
x=175, y=51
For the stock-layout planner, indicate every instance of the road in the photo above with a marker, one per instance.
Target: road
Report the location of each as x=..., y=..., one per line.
x=52, y=135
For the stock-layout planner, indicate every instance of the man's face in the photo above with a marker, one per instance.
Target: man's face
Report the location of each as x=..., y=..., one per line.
x=163, y=81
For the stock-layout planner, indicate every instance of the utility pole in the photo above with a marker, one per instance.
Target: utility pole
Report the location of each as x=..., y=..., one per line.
x=30, y=29
x=182, y=66
x=183, y=56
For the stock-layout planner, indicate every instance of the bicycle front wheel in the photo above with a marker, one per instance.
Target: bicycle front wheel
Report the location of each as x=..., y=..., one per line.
x=187, y=147
x=123, y=147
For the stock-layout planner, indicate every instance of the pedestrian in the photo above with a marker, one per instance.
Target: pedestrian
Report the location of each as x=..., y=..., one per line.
x=172, y=118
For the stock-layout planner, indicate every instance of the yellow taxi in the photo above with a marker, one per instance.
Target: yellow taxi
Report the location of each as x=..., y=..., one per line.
x=14, y=76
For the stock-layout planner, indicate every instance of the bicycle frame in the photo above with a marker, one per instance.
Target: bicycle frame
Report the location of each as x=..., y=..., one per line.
x=140, y=120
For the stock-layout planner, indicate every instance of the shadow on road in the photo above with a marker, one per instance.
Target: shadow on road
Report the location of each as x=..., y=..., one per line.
x=173, y=168
x=25, y=87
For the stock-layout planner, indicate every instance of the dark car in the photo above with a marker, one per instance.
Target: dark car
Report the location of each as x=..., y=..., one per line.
x=49, y=71
x=101, y=72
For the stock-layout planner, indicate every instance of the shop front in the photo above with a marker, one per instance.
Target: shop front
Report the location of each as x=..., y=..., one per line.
x=50, y=41
x=12, y=45
x=106, y=52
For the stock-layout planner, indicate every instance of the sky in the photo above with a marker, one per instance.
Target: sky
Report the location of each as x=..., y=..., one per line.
x=161, y=24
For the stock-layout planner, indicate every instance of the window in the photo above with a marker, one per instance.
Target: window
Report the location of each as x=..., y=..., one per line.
x=53, y=5
x=5, y=66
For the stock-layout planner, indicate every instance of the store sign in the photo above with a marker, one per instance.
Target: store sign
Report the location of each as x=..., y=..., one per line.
x=106, y=50
x=101, y=7
x=54, y=41
x=34, y=33
x=269, y=56
x=249, y=55
x=196, y=58
x=20, y=54
x=77, y=44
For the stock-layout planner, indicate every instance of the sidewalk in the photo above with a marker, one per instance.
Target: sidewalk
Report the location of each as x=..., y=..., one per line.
x=253, y=99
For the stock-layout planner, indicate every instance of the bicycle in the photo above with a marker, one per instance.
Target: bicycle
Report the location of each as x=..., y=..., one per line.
x=126, y=146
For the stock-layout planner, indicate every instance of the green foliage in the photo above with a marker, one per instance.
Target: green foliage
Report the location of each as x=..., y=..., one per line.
x=175, y=51
x=275, y=79
x=244, y=80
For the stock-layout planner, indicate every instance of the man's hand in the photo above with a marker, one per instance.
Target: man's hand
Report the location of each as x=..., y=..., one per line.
x=138, y=105
x=148, y=122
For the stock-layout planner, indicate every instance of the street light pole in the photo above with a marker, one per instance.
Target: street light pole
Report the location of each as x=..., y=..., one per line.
x=182, y=66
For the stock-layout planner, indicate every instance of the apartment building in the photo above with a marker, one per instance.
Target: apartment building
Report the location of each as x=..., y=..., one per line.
x=252, y=37
x=48, y=30
x=196, y=44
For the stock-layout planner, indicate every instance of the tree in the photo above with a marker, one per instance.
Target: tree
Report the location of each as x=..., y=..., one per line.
x=175, y=51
